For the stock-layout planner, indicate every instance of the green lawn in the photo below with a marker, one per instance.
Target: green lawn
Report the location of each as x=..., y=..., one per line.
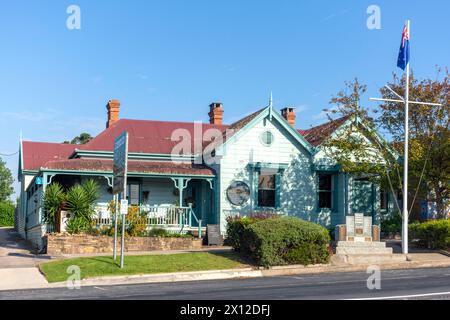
x=134, y=265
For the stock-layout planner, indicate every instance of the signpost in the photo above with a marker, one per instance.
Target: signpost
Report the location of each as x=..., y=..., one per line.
x=120, y=186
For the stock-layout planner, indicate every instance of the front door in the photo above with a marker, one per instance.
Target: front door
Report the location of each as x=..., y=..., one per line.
x=362, y=197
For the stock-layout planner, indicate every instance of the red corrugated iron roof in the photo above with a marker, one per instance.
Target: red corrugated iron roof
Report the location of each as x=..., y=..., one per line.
x=317, y=135
x=36, y=154
x=134, y=166
x=145, y=136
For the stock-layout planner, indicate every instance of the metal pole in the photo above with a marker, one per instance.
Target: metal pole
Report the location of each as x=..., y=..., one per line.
x=405, y=175
x=116, y=206
x=122, y=252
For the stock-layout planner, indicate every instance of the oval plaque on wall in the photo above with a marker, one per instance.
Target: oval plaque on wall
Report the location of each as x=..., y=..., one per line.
x=238, y=193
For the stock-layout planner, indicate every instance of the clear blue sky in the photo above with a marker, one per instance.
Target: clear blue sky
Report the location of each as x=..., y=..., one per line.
x=167, y=60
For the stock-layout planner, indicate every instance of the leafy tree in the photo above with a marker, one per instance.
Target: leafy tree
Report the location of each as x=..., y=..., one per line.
x=357, y=154
x=6, y=181
x=429, y=157
x=83, y=138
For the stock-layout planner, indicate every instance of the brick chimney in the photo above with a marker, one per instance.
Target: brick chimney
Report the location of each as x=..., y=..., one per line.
x=215, y=113
x=113, y=108
x=289, y=114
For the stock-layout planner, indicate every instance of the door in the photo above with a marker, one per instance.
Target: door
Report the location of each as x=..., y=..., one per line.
x=362, y=197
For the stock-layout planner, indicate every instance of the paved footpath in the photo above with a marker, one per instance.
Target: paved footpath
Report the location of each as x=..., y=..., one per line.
x=18, y=265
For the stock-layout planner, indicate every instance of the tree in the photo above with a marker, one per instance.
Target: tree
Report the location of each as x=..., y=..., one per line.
x=364, y=154
x=6, y=181
x=429, y=156
x=348, y=101
x=83, y=138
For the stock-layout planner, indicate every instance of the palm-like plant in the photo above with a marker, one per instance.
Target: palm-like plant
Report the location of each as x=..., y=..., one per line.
x=80, y=201
x=54, y=197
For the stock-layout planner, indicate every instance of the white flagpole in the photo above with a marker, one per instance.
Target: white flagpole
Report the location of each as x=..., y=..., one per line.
x=405, y=174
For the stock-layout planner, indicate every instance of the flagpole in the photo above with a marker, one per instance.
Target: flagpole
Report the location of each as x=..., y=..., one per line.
x=405, y=174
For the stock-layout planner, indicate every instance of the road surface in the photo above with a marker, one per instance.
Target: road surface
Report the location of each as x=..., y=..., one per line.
x=395, y=284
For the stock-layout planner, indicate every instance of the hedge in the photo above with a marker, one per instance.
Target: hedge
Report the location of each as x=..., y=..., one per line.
x=6, y=214
x=432, y=234
x=279, y=241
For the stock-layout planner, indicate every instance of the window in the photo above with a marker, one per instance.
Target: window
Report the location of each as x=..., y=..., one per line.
x=266, y=190
x=133, y=192
x=325, y=191
x=266, y=138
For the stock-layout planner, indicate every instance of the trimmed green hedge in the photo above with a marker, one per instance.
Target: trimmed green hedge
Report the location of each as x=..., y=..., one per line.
x=6, y=214
x=279, y=240
x=432, y=234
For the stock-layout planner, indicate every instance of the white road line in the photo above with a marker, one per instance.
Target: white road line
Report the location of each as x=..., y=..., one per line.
x=405, y=297
x=103, y=289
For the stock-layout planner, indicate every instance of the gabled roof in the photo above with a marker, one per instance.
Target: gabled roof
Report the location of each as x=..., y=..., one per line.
x=317, y=135
x=36, y=154
x=154, y=137
x=144, y=136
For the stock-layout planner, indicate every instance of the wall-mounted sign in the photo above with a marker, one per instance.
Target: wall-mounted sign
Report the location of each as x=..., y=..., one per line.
x=39, y=181
x=120, y=163
x=238, y=193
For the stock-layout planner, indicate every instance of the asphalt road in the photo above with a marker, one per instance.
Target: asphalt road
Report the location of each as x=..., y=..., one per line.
x=396, y=284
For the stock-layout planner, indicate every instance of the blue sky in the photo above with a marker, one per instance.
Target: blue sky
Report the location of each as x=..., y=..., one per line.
x=168, y=60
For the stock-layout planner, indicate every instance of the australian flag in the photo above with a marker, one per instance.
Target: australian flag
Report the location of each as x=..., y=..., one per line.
x=403, y=56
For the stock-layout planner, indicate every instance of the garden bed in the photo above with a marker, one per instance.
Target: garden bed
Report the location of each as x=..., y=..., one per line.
x=59, y=244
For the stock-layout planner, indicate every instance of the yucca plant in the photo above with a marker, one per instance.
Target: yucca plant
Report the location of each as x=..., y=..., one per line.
x=80, y=200
x=54, y=198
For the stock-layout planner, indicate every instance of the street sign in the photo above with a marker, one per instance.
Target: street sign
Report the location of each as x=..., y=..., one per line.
x=120, y=163
x=39, y=181
x=124, y=207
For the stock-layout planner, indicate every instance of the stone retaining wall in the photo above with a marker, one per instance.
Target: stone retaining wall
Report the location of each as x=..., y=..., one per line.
x=58, y=244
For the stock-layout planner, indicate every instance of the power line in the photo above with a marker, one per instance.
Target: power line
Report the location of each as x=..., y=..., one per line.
x=9, y=155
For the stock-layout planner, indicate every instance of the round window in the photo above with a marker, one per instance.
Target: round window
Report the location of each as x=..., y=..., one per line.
x=267, y=138
x=238, y=193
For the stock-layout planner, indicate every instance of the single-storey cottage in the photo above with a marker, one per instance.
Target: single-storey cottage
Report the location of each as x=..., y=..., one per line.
x=208, y=171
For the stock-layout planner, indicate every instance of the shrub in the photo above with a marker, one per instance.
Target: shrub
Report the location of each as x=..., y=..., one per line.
x=236, y=227
x=392, y=225
x=6, y=214
x=280, y=241
x=76, y=225
x=432, y=234
x=136, y=222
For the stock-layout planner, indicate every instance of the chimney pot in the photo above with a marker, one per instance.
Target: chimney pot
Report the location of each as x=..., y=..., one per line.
x=113, y=108
x=289, y=114
x=216, y=113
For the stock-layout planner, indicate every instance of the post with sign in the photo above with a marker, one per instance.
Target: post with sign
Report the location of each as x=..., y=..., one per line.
x=120, y=186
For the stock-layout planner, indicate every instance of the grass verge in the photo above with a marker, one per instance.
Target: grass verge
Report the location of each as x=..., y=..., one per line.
x=56, y=271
